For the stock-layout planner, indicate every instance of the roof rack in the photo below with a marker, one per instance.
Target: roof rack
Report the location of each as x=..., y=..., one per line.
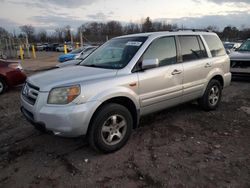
x=194, y=30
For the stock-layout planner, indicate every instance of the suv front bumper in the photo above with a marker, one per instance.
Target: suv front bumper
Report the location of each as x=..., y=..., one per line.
x=69, y=120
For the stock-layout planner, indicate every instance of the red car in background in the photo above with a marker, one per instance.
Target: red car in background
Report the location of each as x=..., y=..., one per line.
x=10, y=74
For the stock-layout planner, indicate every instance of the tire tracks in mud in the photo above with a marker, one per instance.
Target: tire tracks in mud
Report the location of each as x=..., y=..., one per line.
x=145, y=177
x=140, y=175
x=10, y=152
x=70, y=167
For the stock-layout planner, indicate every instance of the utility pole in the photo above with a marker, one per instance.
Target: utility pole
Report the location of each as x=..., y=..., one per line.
x=71, y=37
x=11, y=50
x=81, y=41
x=27, y=46
x=7, y=47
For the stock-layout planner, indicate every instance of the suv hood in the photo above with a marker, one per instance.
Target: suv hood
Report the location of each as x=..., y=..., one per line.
x=240, y=55
x=69, y=63
x=67, y=76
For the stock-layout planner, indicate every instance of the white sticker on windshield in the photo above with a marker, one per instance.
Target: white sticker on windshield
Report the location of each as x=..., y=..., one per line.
x=133, y=43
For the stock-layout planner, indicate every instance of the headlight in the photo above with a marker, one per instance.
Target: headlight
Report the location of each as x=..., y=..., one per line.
x=64, y=95
x=19, y=66
x=15, y=66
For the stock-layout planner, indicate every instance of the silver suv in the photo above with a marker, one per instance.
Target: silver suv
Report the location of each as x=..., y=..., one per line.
x=124, y=79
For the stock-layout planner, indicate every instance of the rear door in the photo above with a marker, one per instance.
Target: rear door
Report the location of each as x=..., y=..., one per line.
x=161, y=87
x=196, y=66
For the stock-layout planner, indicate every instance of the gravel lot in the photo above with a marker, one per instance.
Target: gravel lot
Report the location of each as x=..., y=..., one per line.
x=44, y=60
x=178, y=147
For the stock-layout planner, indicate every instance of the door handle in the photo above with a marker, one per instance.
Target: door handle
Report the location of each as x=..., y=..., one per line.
x=176, y=72
x=207, y=65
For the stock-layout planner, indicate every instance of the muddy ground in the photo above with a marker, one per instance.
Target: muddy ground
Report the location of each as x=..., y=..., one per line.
x=179, y=147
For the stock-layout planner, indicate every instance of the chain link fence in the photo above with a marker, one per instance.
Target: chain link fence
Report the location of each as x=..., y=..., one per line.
x=10, y=48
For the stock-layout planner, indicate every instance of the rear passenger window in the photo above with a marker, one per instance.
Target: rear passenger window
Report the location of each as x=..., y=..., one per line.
x=215, y=45
x=192, y=48
x=163, y=49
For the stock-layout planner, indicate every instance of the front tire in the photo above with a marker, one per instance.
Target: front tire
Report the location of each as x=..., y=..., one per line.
x=2, y=86
x=111, y=128
x=212, y=96
x=4, y=56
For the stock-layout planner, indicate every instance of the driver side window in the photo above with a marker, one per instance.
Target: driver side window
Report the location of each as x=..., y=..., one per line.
x=163, y=49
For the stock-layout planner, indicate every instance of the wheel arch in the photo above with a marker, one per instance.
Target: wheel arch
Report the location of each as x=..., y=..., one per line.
x=124, y=101
x=4, y=79
x=217, y=75
x=219, y=78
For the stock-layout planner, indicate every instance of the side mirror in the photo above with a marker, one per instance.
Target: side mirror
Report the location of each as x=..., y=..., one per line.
x=149, y=63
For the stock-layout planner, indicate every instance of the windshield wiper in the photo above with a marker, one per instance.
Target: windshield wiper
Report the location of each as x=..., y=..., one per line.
x=91, y=65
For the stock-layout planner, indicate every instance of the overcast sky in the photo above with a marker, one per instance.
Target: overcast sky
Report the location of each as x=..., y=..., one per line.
x=50, y=14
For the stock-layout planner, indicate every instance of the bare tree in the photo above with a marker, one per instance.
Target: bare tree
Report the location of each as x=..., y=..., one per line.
x=29, y=30
x=59, y=34
x=213, y=28
x=131, y=28
x=67, y=33
x=168, y=27
x=3, y=33
x=98, y=31
x=147, y=26
x=230, y=33
x=42, y=36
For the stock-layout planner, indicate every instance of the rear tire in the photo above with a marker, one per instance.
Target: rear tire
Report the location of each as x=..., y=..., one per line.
x=212, y=96
x=3, y=86
x=111, y=128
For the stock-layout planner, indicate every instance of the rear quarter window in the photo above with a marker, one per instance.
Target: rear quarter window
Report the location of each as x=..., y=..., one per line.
x=215, y=45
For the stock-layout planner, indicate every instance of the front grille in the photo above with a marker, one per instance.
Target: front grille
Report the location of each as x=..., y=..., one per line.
x=30, y=93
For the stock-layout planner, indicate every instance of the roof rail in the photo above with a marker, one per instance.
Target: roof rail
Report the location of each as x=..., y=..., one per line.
x=194, y=30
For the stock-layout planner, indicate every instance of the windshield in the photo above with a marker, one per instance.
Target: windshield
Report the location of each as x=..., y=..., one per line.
x=245, y=46
x=86, y=53
x=114, y=54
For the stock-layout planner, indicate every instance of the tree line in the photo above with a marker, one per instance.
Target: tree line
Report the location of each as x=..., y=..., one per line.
x=100, y=32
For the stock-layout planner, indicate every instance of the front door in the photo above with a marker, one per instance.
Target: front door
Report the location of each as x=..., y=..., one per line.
x=161, y=87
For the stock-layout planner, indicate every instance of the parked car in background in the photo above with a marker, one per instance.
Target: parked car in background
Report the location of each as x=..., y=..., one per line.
x=60, y=48
x=51, y=47
x=10, y=74
x=124, y=79
x=231, y=46
x=240, y=60
x=77, y=53
x=40, y=47
x=3, y=55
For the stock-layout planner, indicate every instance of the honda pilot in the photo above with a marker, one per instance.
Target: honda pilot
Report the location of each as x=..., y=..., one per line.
x=126, y=78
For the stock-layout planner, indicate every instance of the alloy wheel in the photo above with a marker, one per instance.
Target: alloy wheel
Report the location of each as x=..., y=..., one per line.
x=214, y=95
x=114, y=129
